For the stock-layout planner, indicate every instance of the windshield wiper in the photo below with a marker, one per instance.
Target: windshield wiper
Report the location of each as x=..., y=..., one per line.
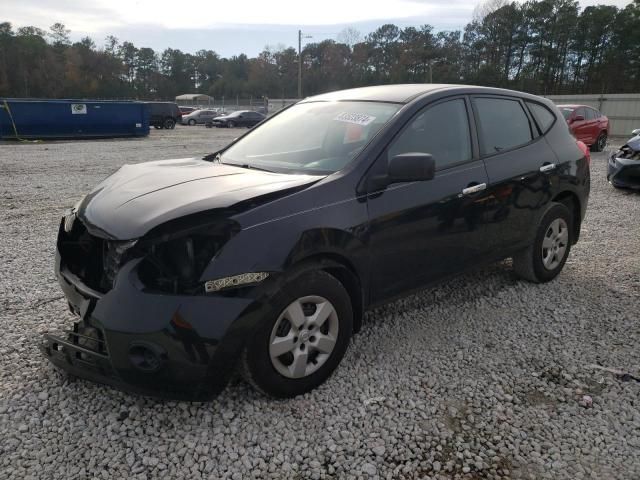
x=248, y=167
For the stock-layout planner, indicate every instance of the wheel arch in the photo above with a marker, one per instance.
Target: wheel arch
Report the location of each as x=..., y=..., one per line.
x=572, y=202
x=345, y=272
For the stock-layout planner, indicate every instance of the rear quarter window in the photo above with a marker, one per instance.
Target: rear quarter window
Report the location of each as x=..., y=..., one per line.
x=503, y=124
x=542, y=115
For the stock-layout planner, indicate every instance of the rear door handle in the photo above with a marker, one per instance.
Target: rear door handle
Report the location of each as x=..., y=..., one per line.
x=474, y=189
x=547, y=167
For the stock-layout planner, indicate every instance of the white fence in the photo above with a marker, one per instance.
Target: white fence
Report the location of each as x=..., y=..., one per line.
x=623, y=109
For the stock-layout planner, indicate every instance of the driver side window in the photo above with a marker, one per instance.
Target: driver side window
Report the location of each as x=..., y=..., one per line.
x=441, y=130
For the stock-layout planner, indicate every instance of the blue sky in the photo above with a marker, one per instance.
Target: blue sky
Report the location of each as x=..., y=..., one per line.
x=231, y=28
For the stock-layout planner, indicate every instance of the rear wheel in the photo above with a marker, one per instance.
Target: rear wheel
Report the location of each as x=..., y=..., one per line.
x=305, y=334
x=169, y=123
x=600, y=143
x=545, y=258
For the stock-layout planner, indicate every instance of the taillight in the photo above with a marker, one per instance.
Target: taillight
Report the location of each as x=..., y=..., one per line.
x=585, y=150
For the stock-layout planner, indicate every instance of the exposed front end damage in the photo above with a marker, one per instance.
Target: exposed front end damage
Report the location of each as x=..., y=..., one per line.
x=623, y=169
x=144, y=320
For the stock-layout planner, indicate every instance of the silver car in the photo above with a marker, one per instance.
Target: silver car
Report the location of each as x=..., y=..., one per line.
x=199, y=116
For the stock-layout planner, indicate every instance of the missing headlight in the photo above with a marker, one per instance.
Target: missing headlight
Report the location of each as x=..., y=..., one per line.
x=176, y=265
x=174, y=258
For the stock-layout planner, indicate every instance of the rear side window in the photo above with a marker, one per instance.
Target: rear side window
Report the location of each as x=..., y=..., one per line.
x=566, y=112
x=441, y=130
x=503, y=124
x=543, y=116
x=591, y=114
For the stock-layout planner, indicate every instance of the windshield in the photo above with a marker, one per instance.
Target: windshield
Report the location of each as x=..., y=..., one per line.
x=566, y=112
x=314, y=138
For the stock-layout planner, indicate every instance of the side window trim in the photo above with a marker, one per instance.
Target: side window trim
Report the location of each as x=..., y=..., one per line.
x=534, y=139
x=470, y=125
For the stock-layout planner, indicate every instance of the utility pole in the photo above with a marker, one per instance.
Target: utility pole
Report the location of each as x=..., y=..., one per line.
x=300, y=61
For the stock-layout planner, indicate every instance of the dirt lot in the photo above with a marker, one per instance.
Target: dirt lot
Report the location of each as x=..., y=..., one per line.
x=483, y=377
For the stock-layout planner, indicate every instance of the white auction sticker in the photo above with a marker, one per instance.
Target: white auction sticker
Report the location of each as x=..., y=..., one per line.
x=357, y=118
x=79, y=108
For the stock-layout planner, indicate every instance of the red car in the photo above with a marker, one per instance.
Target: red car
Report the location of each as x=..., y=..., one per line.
x=587, y=124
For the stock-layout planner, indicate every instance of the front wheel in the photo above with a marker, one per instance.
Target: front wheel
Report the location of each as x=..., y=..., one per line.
x=231, y=124
x=305, y=333
x=192, y=122
x=544, y=259
x=169, y=124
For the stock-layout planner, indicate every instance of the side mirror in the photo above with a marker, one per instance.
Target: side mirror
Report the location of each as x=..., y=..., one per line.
x=411, y=167
x=636, y=131
x=578, y=118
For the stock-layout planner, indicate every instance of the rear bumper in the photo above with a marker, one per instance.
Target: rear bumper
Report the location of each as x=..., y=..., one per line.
x=623, y=172
x=170, y=346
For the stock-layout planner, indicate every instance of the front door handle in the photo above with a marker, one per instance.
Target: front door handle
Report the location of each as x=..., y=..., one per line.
x=474, y=189
x=547, y=167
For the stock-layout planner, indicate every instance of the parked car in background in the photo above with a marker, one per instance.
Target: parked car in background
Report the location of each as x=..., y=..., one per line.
x=187, y=110
x=587, y=124
x=623, y=169
x=199, y=117
x=266, y=253
x=164, y=114
x=240, y=118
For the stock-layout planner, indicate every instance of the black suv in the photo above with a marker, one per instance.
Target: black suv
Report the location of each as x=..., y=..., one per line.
x=265, y=254
x=164, y=114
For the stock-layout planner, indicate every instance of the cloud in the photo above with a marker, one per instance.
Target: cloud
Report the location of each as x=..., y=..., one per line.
x=234, y=27
x=196, y=14
x=75, y=15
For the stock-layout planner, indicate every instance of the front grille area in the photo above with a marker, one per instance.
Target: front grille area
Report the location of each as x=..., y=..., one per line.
x=83, y=347
x=87, y=338
x=94, y=260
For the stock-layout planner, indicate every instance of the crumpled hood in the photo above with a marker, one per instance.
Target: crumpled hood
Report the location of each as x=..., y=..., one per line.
x=634, y=143
x=139, y=197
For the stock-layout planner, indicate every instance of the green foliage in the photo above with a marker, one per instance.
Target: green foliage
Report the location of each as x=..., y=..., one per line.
x=540, y=46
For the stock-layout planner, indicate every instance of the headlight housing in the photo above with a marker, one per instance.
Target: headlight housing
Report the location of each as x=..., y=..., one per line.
x=174, y=257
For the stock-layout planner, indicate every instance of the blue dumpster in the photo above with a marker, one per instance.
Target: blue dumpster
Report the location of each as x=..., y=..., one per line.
x=36, y=118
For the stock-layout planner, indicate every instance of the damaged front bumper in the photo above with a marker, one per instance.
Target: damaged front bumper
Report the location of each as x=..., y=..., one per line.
x=624, y=172
x=173, y=346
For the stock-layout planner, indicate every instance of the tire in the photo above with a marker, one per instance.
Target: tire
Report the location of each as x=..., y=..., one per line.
x=191, y=122
x=301, y=366
x=231, y=124
x=600, y=143
x=169, y=123
x=532, y=264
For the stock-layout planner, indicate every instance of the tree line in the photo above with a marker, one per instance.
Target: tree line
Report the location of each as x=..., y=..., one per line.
x=543, y=47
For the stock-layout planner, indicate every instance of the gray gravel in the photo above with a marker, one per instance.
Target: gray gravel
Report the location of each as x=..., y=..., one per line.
x=483, y=377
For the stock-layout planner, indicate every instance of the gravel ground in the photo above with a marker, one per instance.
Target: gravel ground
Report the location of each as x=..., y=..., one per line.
x=483, y=377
